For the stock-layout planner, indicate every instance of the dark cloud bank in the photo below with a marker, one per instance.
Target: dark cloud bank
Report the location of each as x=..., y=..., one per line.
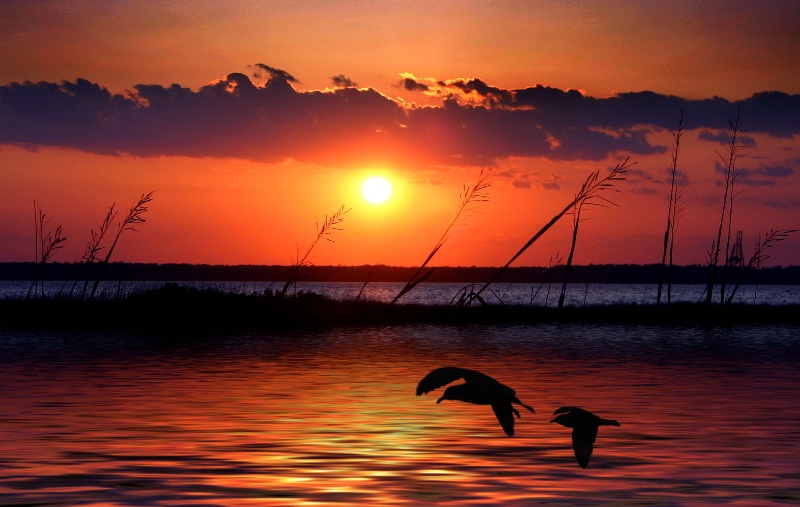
x=475, y=124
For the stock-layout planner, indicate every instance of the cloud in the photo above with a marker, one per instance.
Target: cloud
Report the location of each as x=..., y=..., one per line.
x=343, y=81
x=723, y=138
x=770, y=112
x=644, y=191
x=780, y=204
x=475, y=124
x=762, y=176
x=411, y=84
x=273, y=73
x=636, y=176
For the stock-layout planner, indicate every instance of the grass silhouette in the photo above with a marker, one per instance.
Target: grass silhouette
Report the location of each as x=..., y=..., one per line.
x=328, y=226
x=674, y=211
x=733, y=151
x=470, y=197
x=45, y=244
x=590, y=191
x=128, y=223
x=760, y=255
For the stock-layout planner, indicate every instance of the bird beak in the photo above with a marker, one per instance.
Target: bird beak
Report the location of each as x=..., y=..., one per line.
x=440, y=399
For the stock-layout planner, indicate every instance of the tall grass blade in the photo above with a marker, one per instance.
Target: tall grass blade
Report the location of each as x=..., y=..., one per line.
x=93, y=248
x=46, y=245
x=576, y=222
x=470, y=197
x=733, y=150
x=672, y=198
x=133, y=217
x=589, y=191
x=324, y=231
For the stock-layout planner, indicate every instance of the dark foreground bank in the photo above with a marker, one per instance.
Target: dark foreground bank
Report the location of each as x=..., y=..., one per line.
x=177, y=309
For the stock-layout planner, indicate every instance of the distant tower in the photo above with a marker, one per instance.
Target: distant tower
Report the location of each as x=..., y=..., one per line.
x=737, y=256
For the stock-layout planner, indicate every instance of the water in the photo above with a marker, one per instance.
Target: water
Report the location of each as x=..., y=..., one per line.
x=445, y=293
x=709, y=417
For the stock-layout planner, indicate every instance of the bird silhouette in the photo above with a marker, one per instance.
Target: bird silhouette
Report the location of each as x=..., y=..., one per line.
x=584, y=426
x=477, y=388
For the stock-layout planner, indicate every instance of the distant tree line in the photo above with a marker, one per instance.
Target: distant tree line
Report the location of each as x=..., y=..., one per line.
x=592, y=273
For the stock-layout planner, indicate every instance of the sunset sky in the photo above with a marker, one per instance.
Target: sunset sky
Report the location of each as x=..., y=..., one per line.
x=254, y=120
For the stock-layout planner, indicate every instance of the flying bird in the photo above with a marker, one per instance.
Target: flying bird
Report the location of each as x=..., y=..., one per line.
x=584, y=426
x=477, y=388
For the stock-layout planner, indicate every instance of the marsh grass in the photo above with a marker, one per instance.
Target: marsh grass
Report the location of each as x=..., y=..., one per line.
x=93, y=247
x=128, y=223
x=467, y=292
x=366, y=281
x=576, y=221
x=588, y=200
x=324, y=232
x=471, y=198
x=674, y=211
x=178, y=312
x=553, y=264
x=734, y=149
x=45, y=245
x=591, y=192
x=760, y=256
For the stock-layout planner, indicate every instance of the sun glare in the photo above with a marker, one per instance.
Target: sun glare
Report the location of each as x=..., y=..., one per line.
x=376, y=189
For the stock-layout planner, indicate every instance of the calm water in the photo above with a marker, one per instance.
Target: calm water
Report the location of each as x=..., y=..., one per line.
x=444, y=293
x=709, y=417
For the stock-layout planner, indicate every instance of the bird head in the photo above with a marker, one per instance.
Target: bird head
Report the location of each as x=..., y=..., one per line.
x=449, y=394
x=567, y=420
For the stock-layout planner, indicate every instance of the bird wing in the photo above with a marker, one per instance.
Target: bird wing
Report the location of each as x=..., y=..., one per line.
x=578, y=411
x=504, y=414
x=442, y=376
x=583, y=438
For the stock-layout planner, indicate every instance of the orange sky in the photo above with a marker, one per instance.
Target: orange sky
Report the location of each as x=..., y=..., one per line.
x=255, y=120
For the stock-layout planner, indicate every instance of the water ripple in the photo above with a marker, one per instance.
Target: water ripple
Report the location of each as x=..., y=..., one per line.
x=330, y=417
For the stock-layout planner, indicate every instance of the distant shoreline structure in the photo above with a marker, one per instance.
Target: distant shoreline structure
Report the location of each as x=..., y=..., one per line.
x=592, y=273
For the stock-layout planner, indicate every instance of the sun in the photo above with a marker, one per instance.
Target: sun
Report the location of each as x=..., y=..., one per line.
x=376, y=189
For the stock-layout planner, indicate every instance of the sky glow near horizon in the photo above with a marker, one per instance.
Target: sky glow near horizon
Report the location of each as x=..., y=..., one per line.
x=249, y=142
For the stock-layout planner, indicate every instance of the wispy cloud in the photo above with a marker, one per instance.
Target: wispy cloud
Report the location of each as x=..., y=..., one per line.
x=342, y=81
x=722, y=137
x=273, y=73
x=762, y=176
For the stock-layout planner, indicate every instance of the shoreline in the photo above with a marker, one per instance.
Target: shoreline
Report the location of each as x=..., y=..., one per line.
x=592, y=273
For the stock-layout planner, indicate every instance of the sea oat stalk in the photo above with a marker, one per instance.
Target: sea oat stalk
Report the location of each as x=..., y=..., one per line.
x=673, y=198
x=133, y=217
x=576, y=220
x=93, y=248
x=734, y=149
x=471, y=197
x=46, y=245
x=328, y=225
x=589, y=191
